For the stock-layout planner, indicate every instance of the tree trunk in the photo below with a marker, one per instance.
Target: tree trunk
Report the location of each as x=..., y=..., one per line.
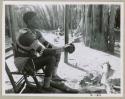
x=111, y=29
x=97, y=37
x=88, y=24
x=105, y=25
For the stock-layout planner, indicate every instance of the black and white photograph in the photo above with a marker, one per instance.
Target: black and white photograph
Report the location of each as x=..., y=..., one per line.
x=62, y=49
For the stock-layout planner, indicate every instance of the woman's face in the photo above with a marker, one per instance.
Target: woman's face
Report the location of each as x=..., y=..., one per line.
x=34, y=22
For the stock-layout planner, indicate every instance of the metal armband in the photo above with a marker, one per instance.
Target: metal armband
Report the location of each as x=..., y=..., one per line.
x=41, y=52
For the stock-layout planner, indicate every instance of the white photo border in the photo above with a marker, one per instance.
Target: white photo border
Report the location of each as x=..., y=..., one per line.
x=62, y=2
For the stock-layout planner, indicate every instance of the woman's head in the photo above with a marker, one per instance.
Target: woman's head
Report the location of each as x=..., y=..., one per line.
x=31, y=19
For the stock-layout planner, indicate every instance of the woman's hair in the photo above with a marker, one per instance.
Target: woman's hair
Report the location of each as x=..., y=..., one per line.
x=28, y=16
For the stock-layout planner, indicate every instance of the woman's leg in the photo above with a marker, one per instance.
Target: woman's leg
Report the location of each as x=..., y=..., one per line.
x=49, y=63
x=57, y=56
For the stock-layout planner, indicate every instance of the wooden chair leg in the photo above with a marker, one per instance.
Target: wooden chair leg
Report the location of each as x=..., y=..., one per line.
x=17, y=86
x=11, y=78
x=34, y=78
x=27, y=82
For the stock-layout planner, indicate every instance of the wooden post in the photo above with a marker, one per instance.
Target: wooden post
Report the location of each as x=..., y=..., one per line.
x=71, y=23
x=13, y=23
x=66, y=32
x=7, y=22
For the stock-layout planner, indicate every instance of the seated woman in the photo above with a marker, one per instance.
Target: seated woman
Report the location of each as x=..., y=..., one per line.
x=30, y=42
